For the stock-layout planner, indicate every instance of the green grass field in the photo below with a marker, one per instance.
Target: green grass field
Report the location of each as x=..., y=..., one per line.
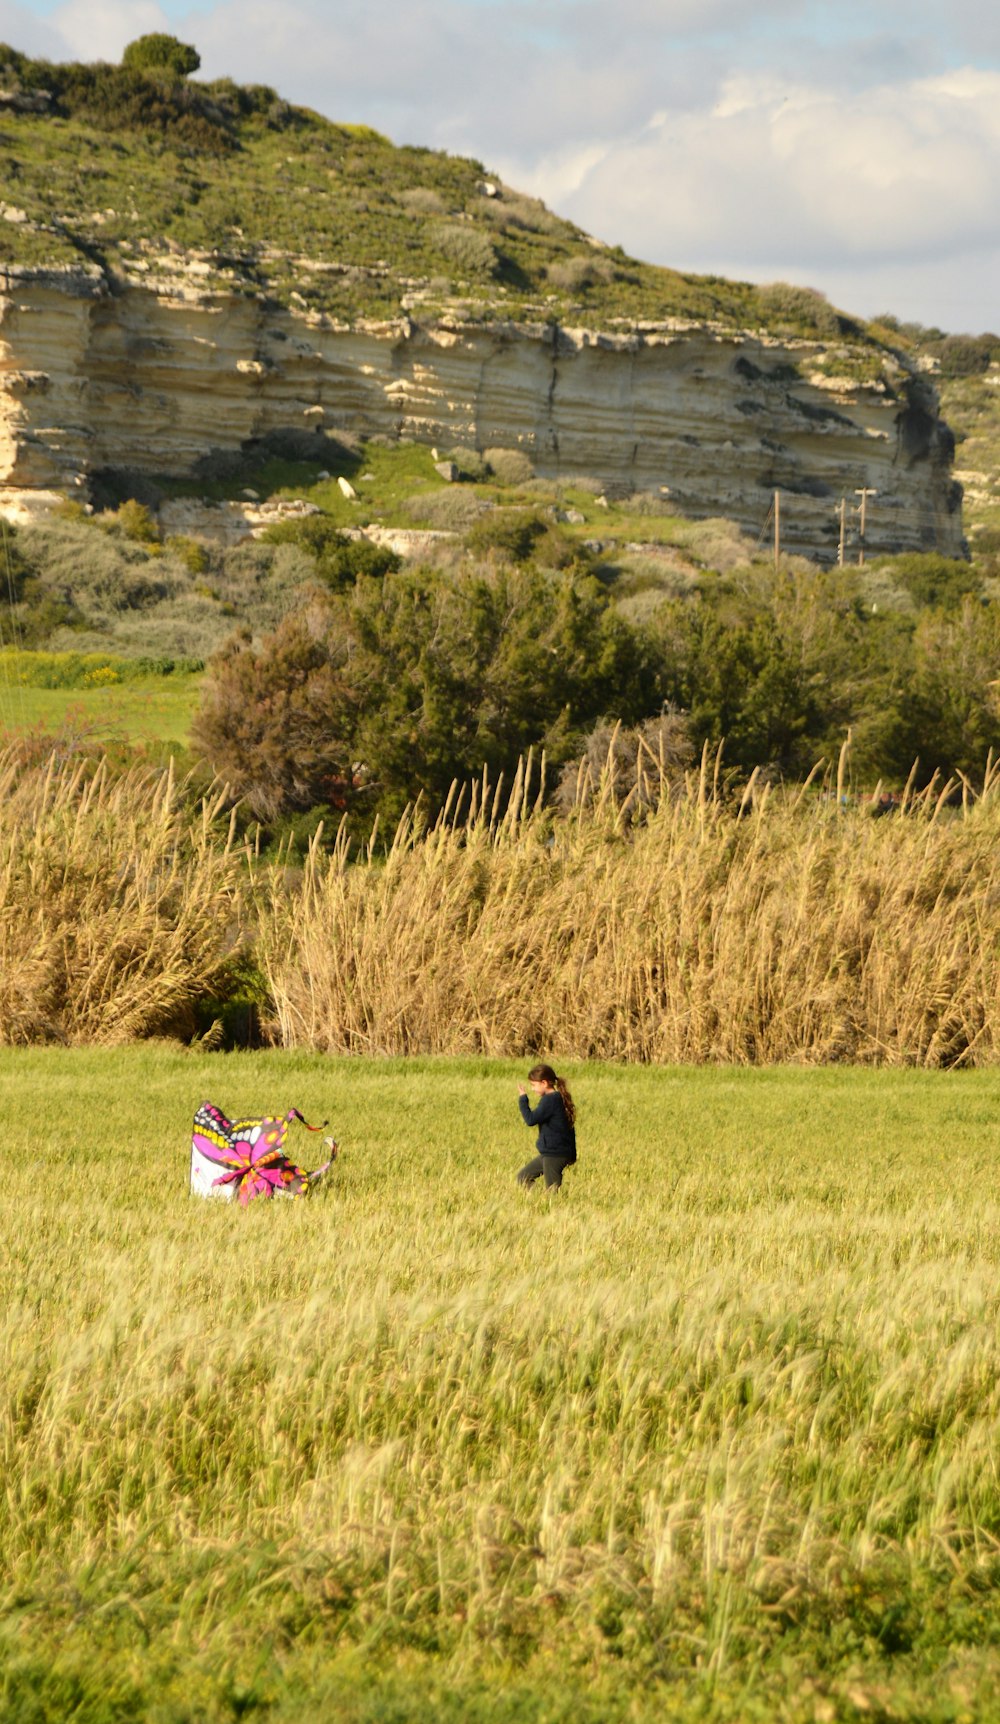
x=112, y=703
x=711, y=1434
x=148, y=710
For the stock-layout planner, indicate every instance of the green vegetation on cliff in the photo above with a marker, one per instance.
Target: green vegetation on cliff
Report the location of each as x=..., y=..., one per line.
x=140, y=173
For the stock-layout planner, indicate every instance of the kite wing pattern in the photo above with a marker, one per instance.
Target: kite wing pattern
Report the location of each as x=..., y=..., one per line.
x=246, y=1158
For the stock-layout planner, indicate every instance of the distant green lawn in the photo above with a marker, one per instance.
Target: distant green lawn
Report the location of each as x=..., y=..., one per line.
x=150, y=709
x=712, y=1434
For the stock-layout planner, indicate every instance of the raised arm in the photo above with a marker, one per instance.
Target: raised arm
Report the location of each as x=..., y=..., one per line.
x=544, y=1110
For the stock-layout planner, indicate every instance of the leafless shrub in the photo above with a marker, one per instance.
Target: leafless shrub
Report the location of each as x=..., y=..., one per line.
x=452, y=510
x=636, y=767
x=467, y=247
x=509, y=466
x=422, y=200
x=514, y=210
x=574, y=274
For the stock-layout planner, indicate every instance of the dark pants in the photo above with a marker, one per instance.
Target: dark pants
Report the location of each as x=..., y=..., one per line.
x=551, y=1165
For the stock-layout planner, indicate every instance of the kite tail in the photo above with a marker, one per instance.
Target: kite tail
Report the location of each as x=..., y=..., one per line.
x=293, y=1113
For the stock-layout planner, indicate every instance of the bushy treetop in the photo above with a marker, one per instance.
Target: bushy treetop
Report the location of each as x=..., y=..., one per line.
x=161, y=53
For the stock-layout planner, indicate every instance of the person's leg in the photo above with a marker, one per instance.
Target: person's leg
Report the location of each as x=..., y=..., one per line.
x=553, y=1167
x=531, y=1171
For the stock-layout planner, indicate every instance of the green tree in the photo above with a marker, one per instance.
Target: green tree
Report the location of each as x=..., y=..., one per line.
x=159, y=53
x=416, y=679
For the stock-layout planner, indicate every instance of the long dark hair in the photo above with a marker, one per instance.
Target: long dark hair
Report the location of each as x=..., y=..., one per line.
x=545, y=1074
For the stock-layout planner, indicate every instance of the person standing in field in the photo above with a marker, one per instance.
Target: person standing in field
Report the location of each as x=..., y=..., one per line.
x=555, y=1117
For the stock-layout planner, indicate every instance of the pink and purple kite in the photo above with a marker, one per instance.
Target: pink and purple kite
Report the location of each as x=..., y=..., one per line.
x=246, y=1158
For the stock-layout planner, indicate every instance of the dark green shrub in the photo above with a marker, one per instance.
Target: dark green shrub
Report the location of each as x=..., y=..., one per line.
x=510, y=533
x=159, y=53
x=523, y=535
x=339, y=560
x=966, y=355
x=931, y=579
x=415, y=681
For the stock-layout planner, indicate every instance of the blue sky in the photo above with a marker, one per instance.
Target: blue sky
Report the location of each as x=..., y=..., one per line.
x=852, y=148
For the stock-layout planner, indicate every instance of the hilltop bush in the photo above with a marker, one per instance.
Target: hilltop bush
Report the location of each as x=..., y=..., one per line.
x=965, y=355
x=422, y=200
x=161, y=54
x=803, y=310
x=129, y=98
x=513, y=211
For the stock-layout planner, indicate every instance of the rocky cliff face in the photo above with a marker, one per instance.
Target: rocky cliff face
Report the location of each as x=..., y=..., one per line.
x=94, y=378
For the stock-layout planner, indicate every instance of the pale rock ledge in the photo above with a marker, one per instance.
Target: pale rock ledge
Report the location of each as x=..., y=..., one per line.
x=92, y=379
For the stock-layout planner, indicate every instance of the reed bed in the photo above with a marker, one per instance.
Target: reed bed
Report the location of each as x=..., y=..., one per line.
x=757, y=928
x=669, y=922
x=119, y=907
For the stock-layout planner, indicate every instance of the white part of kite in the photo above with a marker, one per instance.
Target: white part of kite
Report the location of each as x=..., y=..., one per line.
x=204, y=1173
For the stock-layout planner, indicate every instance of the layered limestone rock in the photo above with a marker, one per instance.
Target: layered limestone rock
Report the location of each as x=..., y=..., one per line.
x=94, y=377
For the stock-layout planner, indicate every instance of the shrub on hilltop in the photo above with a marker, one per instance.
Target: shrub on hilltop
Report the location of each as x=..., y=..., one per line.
x=159, y=53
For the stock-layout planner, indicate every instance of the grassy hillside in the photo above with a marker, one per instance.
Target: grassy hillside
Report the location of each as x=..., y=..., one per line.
x=710, y=1436
x=124, y=173
x=971, y=406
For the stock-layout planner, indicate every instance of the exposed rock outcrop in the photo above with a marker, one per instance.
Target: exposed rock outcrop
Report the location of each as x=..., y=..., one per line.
x=96, y=375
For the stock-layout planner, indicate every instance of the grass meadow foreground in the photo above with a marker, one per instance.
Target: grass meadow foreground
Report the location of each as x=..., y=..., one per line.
x=711, y=1435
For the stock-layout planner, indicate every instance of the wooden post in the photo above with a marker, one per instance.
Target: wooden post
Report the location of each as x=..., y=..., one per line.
x=777, y=530
x=843, y=532
x=864, y=492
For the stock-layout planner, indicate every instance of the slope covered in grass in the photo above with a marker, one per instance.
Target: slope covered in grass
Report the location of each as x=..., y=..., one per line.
x=124, y=173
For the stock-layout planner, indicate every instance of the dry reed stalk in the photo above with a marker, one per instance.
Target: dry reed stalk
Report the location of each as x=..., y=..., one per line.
x=803, y=930
x=117, y=907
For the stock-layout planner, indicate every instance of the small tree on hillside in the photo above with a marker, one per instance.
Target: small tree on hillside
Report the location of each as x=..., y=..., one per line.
x=275, y=720
x=161, y=54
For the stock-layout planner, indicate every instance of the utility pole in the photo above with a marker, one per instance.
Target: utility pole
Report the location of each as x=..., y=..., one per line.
x=864, y=492
x=777, y=530
x=843, y=532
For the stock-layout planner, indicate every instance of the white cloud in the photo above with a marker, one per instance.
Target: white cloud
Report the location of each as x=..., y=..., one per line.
x=20, y=29
x=100, y=29
x=804, y=179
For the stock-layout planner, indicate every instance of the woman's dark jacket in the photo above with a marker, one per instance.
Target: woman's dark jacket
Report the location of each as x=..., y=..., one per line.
x=555, y=1134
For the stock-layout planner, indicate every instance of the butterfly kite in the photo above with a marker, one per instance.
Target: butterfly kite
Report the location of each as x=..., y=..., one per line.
x=246, y=1158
